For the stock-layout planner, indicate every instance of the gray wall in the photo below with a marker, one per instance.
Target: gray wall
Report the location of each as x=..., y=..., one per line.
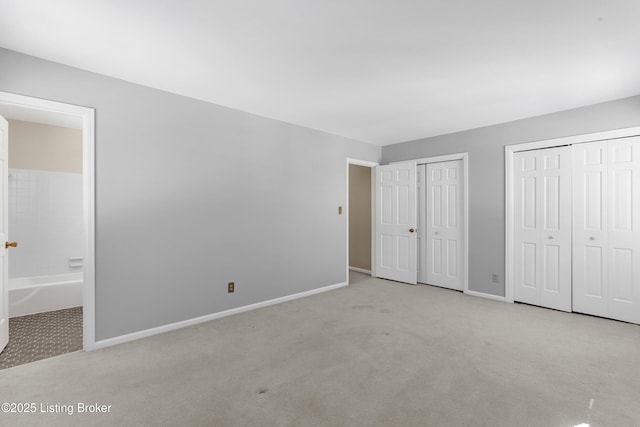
x=486, y=171
x=191, y=195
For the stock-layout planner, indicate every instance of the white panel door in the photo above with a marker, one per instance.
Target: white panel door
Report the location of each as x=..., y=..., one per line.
x=396, y=240
x=444, y=229
x=542, y=239
x=4, y=297
x=606, y=265
x=590, y=228
x=623, y=288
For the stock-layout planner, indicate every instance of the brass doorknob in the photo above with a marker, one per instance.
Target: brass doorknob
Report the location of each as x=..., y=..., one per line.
x=411, y=230
x=11, y=244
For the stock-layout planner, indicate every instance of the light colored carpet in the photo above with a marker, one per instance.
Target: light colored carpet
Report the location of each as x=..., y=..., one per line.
x=377, y=353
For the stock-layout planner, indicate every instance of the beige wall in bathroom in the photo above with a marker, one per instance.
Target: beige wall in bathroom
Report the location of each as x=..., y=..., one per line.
x=44, y=147
x=360, y=217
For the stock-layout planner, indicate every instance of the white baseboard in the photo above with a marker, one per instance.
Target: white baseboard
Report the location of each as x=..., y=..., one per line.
x=483, y=295
x=360, y=270
x=182, y=324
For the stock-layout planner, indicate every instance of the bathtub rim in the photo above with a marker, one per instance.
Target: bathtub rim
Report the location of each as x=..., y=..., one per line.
x=27, y=282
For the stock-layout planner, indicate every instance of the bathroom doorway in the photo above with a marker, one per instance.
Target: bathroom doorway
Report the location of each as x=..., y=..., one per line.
x=45, y=219
x=51, y=216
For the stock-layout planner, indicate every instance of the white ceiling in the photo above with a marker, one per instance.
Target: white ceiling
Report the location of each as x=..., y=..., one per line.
x=380, y=71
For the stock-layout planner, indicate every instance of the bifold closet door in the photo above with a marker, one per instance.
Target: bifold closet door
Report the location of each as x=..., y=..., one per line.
x=542, y=238
x=443, y=234
x=606, y=235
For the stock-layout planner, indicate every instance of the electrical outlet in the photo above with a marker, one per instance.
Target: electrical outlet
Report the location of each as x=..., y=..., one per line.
x=231, y=287
x=494, y=278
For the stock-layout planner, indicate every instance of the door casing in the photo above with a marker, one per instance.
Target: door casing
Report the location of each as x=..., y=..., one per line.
x=371, y=165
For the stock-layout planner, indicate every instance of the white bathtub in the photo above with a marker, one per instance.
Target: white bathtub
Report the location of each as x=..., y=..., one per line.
x=29, y=295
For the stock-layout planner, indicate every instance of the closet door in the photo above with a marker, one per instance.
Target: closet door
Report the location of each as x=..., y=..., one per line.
x=543, y=228
x=590, y=228
x=444, y=229
x=624, y=229
x=606, y=264
x=396, y=241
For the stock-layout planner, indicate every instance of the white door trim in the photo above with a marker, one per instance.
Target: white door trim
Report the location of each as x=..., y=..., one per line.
x=371, y=165
x=509, y=152
x=465, y=198
x=87, y=115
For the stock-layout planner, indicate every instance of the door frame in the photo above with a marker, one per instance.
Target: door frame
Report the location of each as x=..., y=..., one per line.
x=371, y=166
x=509, y=152
x=87, y=115
x=465, y=199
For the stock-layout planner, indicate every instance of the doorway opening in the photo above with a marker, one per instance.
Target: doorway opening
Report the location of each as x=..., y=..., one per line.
x=45, y=218
x=51, y=203
x=360, y=195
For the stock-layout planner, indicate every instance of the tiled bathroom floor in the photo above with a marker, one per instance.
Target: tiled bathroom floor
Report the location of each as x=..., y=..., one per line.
x=43, y=335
